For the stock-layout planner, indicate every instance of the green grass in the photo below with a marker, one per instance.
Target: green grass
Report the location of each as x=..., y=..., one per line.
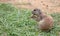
x=17, y=22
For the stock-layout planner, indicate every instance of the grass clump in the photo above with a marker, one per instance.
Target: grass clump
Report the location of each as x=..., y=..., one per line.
x=15, y=22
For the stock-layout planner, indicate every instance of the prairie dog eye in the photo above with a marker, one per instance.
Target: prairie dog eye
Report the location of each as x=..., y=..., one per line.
x=35, y=10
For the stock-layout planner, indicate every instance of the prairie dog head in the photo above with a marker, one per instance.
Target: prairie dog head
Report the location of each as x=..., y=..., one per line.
x=36, y=14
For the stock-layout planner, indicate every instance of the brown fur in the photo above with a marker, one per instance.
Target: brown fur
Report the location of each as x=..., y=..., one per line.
x=45, y=22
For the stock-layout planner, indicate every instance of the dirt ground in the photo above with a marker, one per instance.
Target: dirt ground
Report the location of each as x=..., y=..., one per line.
x=49, y=6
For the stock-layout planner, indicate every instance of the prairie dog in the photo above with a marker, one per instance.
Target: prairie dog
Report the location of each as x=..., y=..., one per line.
x=45, y=22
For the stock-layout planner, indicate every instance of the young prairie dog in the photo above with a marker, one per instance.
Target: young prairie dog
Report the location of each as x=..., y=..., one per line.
x=45, y=22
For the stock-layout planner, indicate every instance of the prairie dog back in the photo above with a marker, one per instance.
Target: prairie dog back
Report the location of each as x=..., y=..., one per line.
x=46, y=23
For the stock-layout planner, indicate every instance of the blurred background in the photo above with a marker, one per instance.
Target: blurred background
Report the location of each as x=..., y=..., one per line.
x=44, y=5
